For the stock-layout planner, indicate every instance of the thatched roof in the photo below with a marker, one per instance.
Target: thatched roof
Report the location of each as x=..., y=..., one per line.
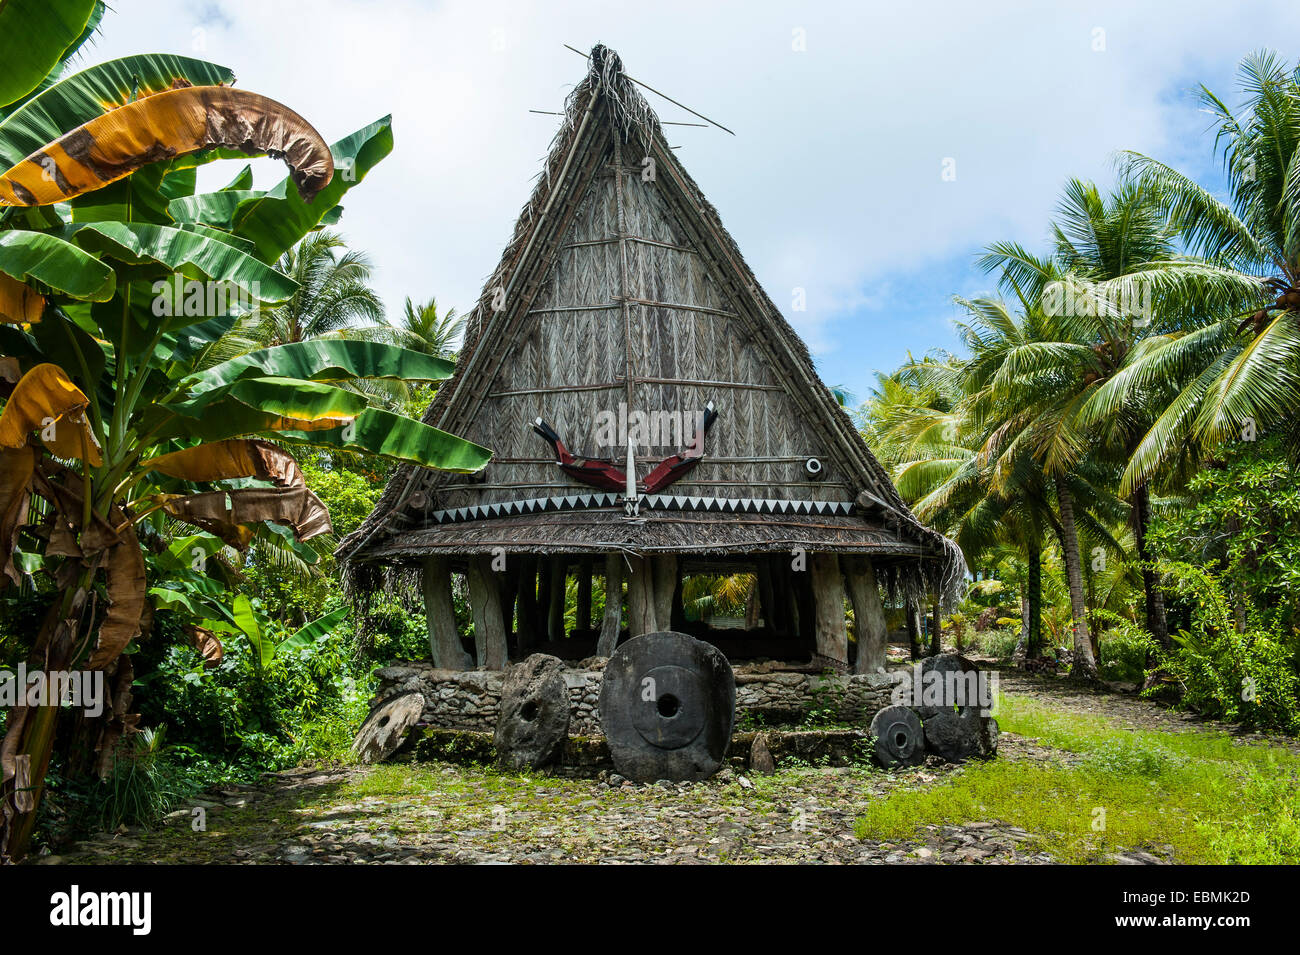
x=620, y=286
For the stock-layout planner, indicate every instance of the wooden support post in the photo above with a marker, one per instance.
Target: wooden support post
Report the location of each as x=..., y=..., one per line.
x=805, y=623
x=767, y=596
x=936, y=630
x=678, y=622
x=868, y=615
x=828, y=598
x=489, y=628
x=542, y=580
x=582, y=612
x=640, y=597
x=612, y=623
x=527, y=604
x=913, y=613
x=444, y=639
x=508, y=581
x=558, y=583
x=664, y=568
x=787, y=624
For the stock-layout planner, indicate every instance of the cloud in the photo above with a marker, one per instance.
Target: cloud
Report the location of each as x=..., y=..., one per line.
x=834, y=182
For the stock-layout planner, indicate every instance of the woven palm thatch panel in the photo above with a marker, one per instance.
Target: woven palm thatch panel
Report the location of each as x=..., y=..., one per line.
x=570, y=362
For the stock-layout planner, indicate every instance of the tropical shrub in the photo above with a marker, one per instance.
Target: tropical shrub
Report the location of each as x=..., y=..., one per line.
x=1248, y=677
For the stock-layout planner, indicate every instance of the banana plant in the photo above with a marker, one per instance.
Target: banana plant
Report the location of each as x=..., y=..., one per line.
x=115, y=276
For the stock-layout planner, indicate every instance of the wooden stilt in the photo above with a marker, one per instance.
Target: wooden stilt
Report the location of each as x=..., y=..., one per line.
x=679, y=610
x=767, y=596
x=828, y=598
x=869, y=624
x=582, y=611
x=609, y=628
x=489, y=628
x=557, y=580
x=936, y=630
x=543, y=583
x=805, y=624
x=640, y=597
x=913, y=613
x=444, y=639
x=526, y=604
x=664, y=568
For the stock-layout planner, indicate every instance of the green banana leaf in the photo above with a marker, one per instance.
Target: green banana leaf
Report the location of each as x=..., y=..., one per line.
x=242, y=182
x=317, y=630
x=65, y=343
x=383, y=434
x=325, y=360
x=55, y=263
x=79, y=98
x=34, y=37
x=137, y=198
x=181, y=250
x=251, y=406
x=211, y=208
x=184, y=343
x=276, y=221
x=246, y=620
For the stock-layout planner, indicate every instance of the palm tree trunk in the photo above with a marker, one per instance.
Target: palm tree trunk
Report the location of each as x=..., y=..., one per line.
x=1035, y=602
x=1157, y=622
x=1085, y=665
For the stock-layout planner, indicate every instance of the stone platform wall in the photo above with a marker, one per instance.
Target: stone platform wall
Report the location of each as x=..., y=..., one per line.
x=469, y=699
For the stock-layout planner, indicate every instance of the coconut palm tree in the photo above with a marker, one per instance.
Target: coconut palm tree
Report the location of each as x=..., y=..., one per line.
x=1238, y=368
x=422, y=329
x=333, y=296
x=918, y=421
x=1028, y=374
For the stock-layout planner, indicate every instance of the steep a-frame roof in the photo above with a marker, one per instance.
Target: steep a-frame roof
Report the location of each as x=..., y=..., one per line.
x=621, y=288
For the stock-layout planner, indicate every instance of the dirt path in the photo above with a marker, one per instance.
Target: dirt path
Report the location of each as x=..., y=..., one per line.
x=1124, y=708
x=413, y=814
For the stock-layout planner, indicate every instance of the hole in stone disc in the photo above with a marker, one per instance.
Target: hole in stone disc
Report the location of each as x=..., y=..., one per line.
x=669, y=705
x=900, y=740
x=528, y=712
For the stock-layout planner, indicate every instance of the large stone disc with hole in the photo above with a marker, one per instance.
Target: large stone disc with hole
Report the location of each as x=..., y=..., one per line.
x=961, y=735
x=533, y=721
x=386, y=726
x=955, y=685
x=900, y=739
x=667, y=707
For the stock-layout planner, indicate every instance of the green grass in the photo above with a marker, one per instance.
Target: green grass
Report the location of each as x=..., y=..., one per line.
x=1209, y=798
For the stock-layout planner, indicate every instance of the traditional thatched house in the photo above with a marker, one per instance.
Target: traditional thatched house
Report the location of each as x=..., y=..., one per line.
x=623, y=324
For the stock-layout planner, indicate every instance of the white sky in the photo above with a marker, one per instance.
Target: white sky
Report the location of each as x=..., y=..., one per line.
x=833, y=183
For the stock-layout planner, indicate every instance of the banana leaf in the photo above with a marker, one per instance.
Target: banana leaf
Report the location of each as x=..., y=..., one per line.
x=277, y=220
x=185, y=251
x=83, y=96
x=325, y=360
x=55, y=263
x=176, y=122
x=254, y=405
x=315, y=631
x=34, y=37
x=212, y=208
x=386, y=435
